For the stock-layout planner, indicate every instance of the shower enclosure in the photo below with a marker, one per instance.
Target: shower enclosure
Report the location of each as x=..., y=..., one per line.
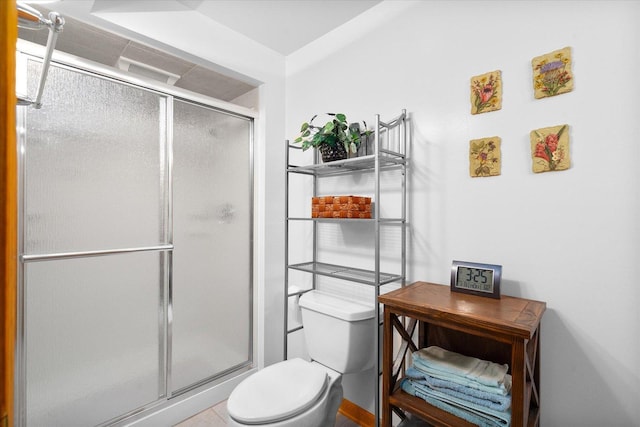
x=135, y=243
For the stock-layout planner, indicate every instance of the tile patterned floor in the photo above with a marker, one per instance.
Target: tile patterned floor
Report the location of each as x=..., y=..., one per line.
x=217, y=416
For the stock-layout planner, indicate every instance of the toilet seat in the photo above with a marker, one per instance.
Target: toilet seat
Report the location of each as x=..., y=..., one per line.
x=278, y=392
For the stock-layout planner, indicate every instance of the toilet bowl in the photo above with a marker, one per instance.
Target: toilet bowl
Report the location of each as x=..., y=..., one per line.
x=293, y=393
x=298, y=393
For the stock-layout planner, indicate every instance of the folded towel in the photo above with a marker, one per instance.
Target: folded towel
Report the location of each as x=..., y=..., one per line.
x=493, y=401
x=449, y=362
x=502, y=390
x=504, y=417
x=484, y=418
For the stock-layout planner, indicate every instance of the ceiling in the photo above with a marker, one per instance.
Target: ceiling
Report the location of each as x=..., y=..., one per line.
x=283, y=26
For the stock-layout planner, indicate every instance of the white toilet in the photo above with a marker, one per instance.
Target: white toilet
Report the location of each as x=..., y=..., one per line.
x=297, y=393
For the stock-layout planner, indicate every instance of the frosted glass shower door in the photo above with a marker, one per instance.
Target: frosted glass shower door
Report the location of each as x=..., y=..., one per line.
x=211, y=285
x=93, y=187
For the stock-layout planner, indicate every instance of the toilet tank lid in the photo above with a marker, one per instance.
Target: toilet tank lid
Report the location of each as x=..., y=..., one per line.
x=335, y=306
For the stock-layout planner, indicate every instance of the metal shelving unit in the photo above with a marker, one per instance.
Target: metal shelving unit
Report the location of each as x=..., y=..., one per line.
x=389, y=153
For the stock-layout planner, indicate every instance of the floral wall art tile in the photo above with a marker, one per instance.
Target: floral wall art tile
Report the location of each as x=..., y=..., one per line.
x=552, y=73
x=484, y=157
x=550, y=149
x=486, y=92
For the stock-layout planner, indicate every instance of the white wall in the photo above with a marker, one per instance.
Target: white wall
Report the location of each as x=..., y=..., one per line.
x=569, y=238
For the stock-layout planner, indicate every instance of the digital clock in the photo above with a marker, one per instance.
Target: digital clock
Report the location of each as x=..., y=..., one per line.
x=476, y=278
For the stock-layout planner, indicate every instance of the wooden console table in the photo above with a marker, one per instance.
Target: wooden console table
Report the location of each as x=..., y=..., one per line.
x=505, y=330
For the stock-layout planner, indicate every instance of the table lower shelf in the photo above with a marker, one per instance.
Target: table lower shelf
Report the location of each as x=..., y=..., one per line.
x=427, y=412
x=436, y=416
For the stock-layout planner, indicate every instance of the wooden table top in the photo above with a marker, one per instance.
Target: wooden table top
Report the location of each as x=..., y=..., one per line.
x=510, y=316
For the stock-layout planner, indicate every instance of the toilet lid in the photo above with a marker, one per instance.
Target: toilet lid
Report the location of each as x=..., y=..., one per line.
x=277, y=392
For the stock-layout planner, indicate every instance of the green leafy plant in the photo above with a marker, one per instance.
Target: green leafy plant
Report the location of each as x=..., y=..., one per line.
x=335, y=132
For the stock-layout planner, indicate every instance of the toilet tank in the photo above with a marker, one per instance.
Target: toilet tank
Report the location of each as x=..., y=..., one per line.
x=339, y=332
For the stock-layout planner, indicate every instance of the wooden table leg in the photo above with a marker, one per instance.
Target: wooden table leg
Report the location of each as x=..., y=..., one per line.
x=518, y=377
x=387, y=364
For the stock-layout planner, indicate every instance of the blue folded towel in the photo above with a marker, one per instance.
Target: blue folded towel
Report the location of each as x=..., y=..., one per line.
x=463, y=370
x=482, y=417
x=502, y=390
x=497, y=402
x=449, y=362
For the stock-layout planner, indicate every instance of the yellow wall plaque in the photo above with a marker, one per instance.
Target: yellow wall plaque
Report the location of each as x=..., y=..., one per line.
x=486, y=92
x=552, y=73
x=484, y=157
x=550, y=149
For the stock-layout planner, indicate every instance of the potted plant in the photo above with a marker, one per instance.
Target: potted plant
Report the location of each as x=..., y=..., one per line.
x=335, y=140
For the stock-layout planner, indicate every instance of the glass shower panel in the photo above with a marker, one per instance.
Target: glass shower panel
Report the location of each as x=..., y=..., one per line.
x=93, y=338
x=211, y=285
x=93, y=164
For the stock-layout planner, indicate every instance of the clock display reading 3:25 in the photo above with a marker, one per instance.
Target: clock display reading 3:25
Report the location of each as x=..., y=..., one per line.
x=476, y=278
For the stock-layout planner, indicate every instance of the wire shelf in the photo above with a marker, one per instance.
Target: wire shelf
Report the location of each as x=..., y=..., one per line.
x=367, y=277
x=388, y=159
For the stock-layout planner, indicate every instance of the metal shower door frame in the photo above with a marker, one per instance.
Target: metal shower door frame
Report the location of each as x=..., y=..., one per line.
x=27, y=51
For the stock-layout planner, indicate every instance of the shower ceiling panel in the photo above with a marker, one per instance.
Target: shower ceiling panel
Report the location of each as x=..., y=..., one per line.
x=95, y=44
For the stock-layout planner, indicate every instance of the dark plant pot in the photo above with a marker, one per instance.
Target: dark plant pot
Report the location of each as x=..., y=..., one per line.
x=332, y=153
